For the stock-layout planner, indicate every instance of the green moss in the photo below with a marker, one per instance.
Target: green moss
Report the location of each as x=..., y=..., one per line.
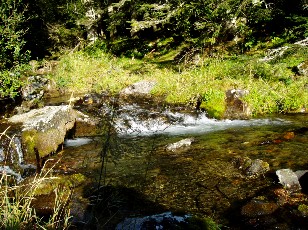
x=198, y=223
x=29, y=140
x=303, y=209
x=49, y=184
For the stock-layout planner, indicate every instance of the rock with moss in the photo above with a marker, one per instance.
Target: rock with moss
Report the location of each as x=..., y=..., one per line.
x=43, y=130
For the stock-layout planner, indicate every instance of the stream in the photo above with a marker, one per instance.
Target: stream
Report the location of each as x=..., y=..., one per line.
x=130, y=172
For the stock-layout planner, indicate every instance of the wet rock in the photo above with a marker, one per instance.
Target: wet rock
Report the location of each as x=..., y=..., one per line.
x=236, y=108
x=43, y=130
x=142, y=87
x=34, y=89
x=303, y=180
x=86, y=126
x=159, y=221
x=180, y=144
x=288, y=179
x=257, y=207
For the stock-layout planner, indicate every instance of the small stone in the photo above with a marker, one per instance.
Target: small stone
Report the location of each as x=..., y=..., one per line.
x=182, y=143
x=289, y=135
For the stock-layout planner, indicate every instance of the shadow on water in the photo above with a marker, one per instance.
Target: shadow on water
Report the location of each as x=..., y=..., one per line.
x=109, y=205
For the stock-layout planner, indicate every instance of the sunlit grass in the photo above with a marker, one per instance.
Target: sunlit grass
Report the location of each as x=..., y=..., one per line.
x=16, y=202
x=272, y=85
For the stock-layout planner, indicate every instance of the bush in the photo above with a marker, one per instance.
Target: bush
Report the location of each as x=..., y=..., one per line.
x=11, y=34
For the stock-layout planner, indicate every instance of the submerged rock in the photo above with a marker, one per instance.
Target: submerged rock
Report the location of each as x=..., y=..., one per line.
x=256, y=208
x=236, y=108
x=43, y=130
x=257, y=167
x=251, y=168
x=177, y=145
x=288, y=179
x=159, y=221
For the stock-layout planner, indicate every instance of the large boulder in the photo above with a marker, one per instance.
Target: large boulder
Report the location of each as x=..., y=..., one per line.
x=236, y=107
x=43, y=130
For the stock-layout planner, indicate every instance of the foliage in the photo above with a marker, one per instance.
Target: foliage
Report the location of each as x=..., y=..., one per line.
x=12, y=42
x=10, y=81
x=201, y=23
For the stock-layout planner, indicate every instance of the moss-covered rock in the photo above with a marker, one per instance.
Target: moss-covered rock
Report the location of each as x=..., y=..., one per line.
x=43, y=130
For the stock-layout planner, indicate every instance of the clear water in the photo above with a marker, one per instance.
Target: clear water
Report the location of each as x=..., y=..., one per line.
x=199, y=179
x=143, y=178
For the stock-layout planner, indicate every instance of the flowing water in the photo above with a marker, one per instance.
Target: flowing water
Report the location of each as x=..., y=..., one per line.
x=138, y=176
x=199, y=179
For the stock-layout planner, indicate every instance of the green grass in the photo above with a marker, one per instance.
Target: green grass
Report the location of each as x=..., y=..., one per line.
x=16, y=201
x=272, y=85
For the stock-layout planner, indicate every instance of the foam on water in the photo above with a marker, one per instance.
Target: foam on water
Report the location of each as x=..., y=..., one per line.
x=77, y=142
x=136, y=121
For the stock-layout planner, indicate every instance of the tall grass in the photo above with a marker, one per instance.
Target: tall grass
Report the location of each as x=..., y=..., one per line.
x=16, y=209
x=273, y=86
x=16, y=203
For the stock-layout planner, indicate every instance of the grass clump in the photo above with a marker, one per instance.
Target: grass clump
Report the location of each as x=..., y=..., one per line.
x=273, y=85
x=17, y=211
x=17, y=201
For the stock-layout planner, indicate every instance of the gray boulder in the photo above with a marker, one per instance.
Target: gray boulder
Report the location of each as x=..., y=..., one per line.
x=43, y=130
x=34, y=89
x=139, y=88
